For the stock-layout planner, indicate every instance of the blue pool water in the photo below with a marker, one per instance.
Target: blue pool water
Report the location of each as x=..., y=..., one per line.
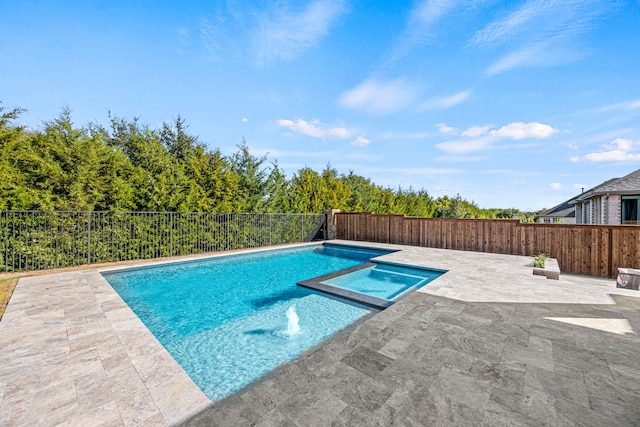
x=385, y=281
x=224, y=320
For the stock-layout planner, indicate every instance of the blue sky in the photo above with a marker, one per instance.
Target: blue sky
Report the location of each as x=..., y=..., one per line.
x=509, y=104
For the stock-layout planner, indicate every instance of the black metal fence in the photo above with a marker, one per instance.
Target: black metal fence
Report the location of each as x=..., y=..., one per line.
x=37, y=240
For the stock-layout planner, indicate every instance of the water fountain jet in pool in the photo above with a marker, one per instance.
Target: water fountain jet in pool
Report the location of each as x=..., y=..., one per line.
x=293, y=327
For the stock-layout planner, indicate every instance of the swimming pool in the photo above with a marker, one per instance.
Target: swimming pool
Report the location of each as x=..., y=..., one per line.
x=229, y=320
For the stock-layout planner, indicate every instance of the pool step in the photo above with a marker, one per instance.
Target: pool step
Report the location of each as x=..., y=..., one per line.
x=404, y=293
x=395, y=277
x=315, y=284
x=374, y=302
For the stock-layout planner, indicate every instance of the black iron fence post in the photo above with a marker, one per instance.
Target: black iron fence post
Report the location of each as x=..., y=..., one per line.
x=89, y=238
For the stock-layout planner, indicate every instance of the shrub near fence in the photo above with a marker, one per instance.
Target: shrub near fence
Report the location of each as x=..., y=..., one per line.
x=36, y=240
x=595, y=250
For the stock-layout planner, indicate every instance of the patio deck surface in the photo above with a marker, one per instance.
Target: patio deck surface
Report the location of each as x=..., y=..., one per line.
x=488, y=343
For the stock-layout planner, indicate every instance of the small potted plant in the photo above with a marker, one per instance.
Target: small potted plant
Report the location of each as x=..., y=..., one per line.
x=539, y=260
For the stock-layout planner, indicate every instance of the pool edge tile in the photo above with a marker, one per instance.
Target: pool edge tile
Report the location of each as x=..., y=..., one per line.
x=177, y=397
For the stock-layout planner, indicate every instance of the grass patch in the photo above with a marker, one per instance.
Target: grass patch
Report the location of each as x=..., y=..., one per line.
x=6, y=290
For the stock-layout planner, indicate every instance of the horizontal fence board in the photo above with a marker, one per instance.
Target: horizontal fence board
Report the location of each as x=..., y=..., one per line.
x=595, y=250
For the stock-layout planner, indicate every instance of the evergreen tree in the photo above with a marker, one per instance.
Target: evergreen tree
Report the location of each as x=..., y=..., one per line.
x=179, y=144
x=412, y=203
x=335, y=193
x=14, y=189
x=251, y=191
x=307, y=191
x=213, y=183
x=278, y=192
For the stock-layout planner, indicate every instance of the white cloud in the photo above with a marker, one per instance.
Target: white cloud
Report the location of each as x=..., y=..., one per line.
x=619, y=150
x=501, y=30
x=361, y=141
x=475, y=131
x=446, y=102
x=285, y=34
x=315, y=129
x=541, y=32
x=478, y=138
x=213, y=35
x=621, y=144
x=447, y=130
x=245, y=120
x=271, y=31
x=546, y=53
x=624, y=106
x=574, y=159
x=555, y=185
x=428, y=12
x=611, y=156
x=420, y=25
x=536, y=54
x=380, y=98
x=520, y=130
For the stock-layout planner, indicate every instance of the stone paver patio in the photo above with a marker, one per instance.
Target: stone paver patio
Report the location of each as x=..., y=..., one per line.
x=487, y=343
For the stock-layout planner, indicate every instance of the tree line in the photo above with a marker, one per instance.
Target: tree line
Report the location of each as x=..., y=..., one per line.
x=128, y=166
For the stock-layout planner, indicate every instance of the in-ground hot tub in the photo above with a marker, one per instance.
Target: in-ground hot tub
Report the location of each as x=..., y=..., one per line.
x=378, y=284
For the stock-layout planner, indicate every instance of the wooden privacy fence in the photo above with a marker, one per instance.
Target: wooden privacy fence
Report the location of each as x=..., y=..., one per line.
x=595, y=250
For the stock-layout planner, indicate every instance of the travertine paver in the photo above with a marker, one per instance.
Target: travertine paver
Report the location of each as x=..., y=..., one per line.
x=487, y=343
x=72, y=352
x=437, y=361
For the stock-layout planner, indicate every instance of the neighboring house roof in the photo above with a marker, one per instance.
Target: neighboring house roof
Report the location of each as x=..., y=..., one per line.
x=629, y=184
x=563, y=210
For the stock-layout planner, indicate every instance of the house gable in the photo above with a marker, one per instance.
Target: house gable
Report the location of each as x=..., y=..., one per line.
x=613, y=202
